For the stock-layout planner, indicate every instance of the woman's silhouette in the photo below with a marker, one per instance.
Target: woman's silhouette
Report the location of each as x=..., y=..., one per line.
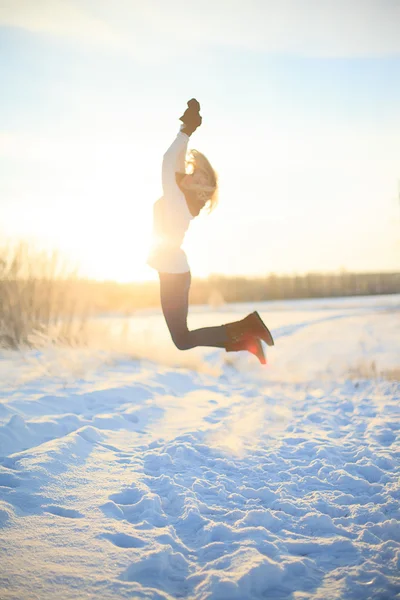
x=190, y=184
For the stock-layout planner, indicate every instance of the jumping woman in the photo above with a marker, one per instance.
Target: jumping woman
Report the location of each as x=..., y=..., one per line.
x=189, y=185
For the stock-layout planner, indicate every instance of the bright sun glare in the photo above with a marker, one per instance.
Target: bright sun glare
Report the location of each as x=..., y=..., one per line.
x=106, y=238
x=116, y=251
x=106, y=227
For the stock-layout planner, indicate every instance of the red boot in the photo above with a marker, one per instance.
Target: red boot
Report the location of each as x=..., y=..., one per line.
x=254, y=324
x=251, y=344
x=239, y=339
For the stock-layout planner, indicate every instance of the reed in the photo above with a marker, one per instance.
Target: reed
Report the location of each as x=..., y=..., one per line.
x=39, y=298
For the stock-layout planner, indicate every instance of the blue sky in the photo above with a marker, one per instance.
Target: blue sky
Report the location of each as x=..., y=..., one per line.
x=301, y=119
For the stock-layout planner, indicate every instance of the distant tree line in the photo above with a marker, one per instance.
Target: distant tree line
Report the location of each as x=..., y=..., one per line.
x=280, y=287
x=217, y=289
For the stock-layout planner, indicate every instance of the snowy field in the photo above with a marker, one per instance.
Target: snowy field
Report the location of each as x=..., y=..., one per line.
x=129, y=469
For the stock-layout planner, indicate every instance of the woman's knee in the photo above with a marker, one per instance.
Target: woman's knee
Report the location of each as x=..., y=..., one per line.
x=182, y=340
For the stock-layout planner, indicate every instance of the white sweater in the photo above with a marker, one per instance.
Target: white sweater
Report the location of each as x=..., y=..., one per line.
x=171, y=215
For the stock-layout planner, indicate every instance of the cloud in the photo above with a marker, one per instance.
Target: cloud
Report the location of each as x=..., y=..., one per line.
x=155, y=28
x=326, y=28
x=58, y=18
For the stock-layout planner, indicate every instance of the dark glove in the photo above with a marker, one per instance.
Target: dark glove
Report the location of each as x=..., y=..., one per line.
x=191, y=117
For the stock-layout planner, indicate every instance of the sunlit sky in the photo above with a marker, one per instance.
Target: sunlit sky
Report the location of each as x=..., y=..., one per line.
x=301, y=119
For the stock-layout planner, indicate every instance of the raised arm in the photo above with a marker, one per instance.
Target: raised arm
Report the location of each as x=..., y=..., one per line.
x=174, y=162
x=174, y=158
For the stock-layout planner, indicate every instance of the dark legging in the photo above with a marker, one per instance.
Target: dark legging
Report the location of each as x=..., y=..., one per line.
x=174, y=293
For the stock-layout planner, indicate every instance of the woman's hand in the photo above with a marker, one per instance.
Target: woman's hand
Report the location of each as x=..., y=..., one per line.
x=191, y=118
x=190, y=128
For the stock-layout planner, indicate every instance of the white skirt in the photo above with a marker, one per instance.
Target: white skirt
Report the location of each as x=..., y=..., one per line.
x=168, y=259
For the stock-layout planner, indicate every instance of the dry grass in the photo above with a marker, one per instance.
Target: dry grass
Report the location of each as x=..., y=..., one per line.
x=369, y=370
x=39, y=298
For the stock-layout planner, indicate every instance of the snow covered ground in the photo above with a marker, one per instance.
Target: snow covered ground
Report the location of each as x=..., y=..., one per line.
x=129, y=469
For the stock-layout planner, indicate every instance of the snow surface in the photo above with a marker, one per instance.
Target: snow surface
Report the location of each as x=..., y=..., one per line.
x=129, y=469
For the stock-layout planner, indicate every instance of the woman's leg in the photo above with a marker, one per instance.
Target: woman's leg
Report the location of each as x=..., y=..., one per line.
x=174, y=293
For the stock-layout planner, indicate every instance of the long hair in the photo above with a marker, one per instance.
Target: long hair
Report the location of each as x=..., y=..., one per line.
x=207, y=190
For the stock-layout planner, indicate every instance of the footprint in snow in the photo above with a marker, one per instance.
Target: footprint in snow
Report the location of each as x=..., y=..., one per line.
x=64, y=512
x=9, y=480
x=217, y=415
x=112, y=510
x=128, y=496
x=123, y=540
x=131, y=416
